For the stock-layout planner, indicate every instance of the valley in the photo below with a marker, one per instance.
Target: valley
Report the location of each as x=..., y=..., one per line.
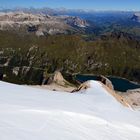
x=69, y=70
x=31, y=49
x=24, y=59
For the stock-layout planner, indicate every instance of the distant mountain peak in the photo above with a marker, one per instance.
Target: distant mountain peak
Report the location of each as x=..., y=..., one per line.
x=136, y=17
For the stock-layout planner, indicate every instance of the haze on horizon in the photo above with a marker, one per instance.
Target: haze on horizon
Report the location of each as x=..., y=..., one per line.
x=119, y=5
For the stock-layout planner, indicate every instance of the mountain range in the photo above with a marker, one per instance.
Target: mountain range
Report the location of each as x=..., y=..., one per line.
x=40, y=24
x=36, y=40
x=63, y=21
x=45, y=50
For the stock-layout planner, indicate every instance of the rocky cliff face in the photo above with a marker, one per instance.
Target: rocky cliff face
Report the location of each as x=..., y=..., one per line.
x=136, y=17
x=76, y=21
x=106, y=82
x=58, y=79
x=41, y=24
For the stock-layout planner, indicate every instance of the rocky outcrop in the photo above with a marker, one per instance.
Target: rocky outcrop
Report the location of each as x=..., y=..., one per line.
x=76, y=21
x=15, y=71
x=106, y=82
x=58, y=79
x=83, y=86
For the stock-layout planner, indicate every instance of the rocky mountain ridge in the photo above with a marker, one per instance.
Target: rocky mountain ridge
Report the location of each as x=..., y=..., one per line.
x=41, y=24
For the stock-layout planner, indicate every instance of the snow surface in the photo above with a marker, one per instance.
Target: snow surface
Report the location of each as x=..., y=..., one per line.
x=35, y=114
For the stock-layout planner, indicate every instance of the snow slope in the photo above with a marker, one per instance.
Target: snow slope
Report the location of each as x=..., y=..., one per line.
x=35, y=114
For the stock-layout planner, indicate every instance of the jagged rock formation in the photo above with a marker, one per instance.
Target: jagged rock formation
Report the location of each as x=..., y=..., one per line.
x=57, y=78
x=76, y=21
x=41, y=24
x=56, y=82
x=83, y=86
x=136, y=17
x=106, y=82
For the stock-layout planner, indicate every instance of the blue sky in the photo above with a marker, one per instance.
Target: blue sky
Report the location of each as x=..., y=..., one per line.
x=75, y=4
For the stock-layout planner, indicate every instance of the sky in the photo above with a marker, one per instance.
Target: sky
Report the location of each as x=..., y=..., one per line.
x=75, y=4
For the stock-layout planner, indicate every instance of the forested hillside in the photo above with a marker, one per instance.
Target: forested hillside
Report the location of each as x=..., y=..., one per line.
x=25, y=58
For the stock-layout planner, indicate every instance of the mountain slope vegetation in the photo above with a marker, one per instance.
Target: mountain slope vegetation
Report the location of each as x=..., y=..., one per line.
x=25, y=58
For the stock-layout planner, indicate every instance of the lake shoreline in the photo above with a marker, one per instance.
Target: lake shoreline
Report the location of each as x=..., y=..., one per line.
x=120, y=84
x=134, y=82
